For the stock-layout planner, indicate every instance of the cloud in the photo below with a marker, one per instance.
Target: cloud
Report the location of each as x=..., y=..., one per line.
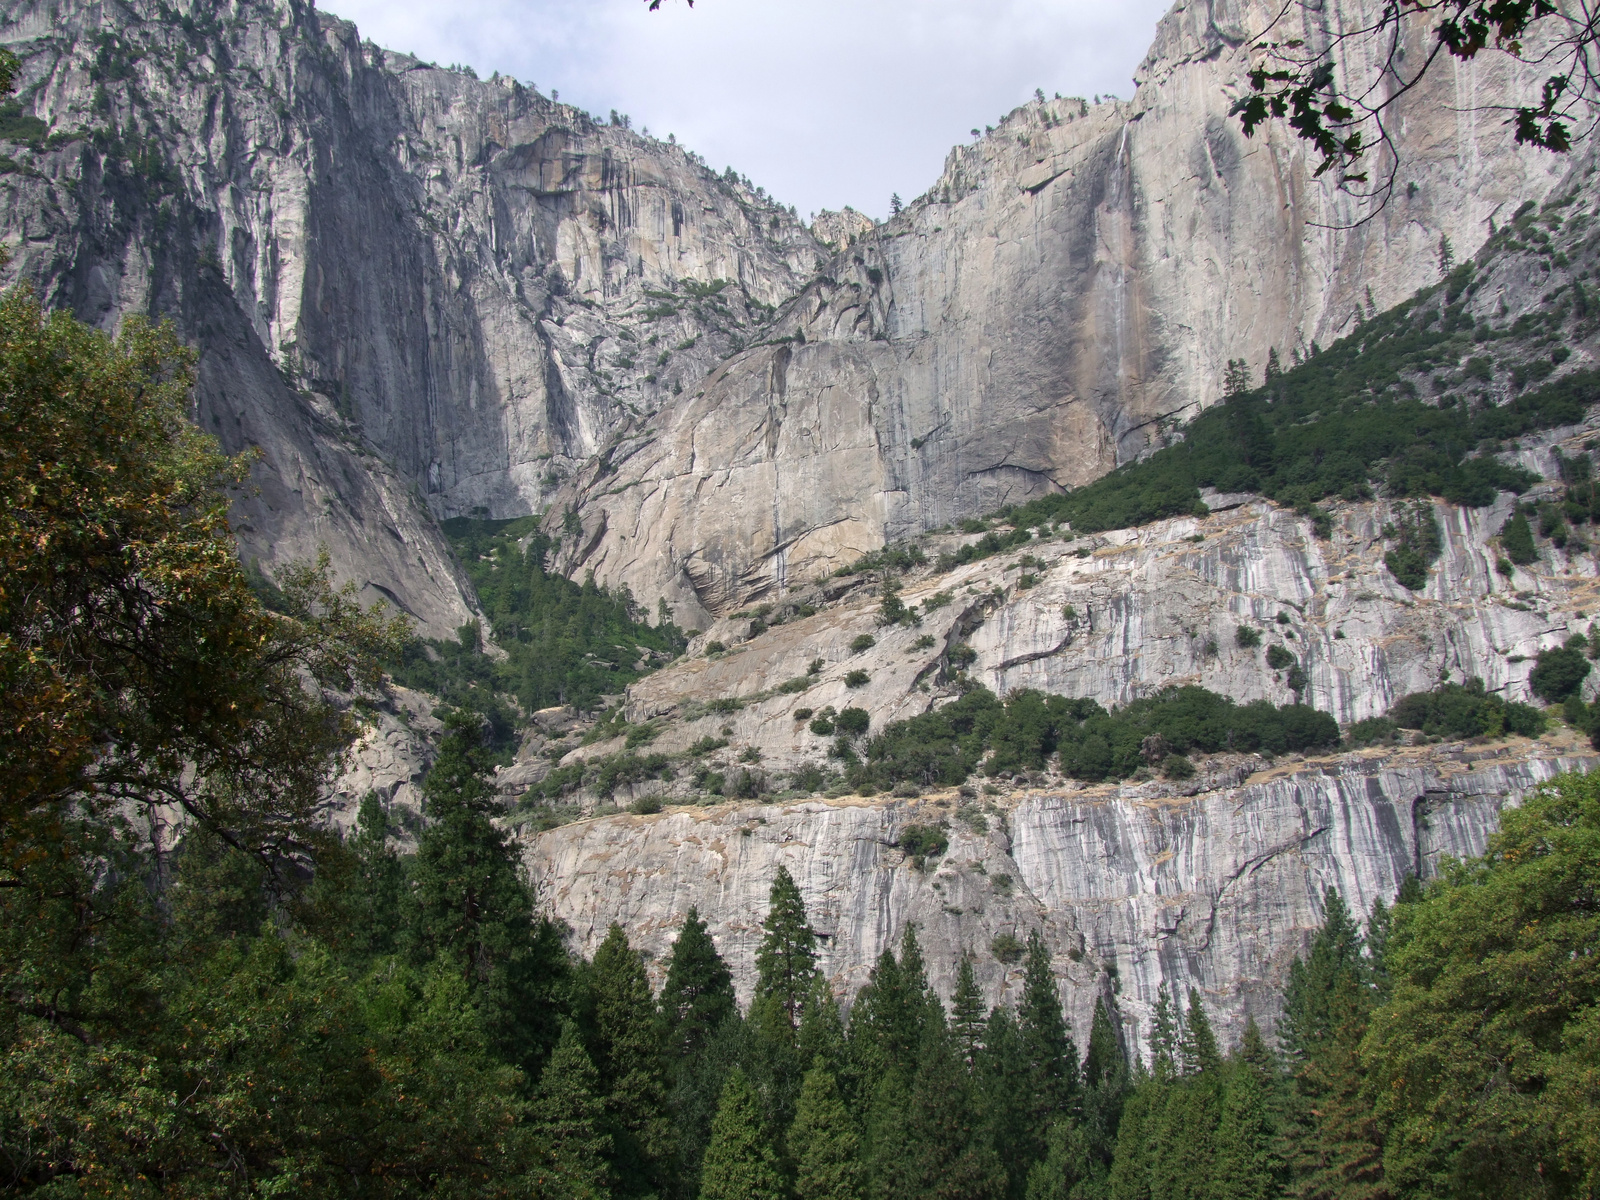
x=822, y=102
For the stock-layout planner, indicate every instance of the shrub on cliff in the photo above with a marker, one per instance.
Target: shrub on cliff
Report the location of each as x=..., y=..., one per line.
x=1464, y=710
x=1558, y=674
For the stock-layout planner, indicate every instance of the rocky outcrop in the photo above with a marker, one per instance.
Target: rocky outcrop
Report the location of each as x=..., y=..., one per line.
x=417, y=294
x=1122, y=615
x=1134, y=888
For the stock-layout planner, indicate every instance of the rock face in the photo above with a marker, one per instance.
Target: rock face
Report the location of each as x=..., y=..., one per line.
x=1125, y=614
x=1134, y=888
x=1071, y=287
x=422, y=294
x=417, y=293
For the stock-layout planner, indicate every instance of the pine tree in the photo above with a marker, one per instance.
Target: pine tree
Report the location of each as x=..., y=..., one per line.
x=1130, y=1167
x=1105, y=1085
x=889, y=1143
x=471, y=902
x=786, y=960
x=740, y=1162
x=1005, y=1097
x=1197, y=1049
x=1164, y=1038
x=822, y=1037
x=1336, y=1149
x=823, y=1143
x=1185, y=1147
x=967, y=1015
x=950, y=1158
x=1335, y=953
x=1236, y=379
x=629, y=1059
x=1065, y=1166
x=569, y=1117
x=1337, y=1145
x=1245, y=1166
x=1274, y=369
x=697, y=996
x=1447, y=255
x=1052, y=1058
x=891, y=1015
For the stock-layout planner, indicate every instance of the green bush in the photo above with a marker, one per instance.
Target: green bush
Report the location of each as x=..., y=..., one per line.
x=862, y=641
x=790, y=687
x=1006, y=948
x=945, y=746
x=1416, y=546
x=923, y=842
x=715, y=647
x=1177, y=767
x=853, y=721
x=1457, y=711
x=822, y=726
x=857, y=679
x=803, y=714
x=645, y=805
x=1374, y=731
x=1246, y=638
x=1516, y=539
x=1558, y=674
x=1279, y=657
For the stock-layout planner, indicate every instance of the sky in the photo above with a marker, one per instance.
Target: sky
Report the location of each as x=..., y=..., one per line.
x=822, y=102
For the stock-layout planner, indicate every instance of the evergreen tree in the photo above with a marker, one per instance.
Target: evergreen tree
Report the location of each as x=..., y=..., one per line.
x=890, y=1016
x=375, y=888
x=472, y=904
x=1052, y=1058
x=740, y=1162
x=1130, y=1167
x=696, y=1093
x=1236, y=379
x=1164, y=1038
x=1005, y=1097
x=569, y=1117
x=1197, y=1048
x=697, y=996
x=1105, y=1084
x=1184, y=1145
x=949, y=1155
x=1065, y=1166
x=1336, y=1144
x=1245, y=1166
x=1103, y=1063
x=889, y=1141
x=1274, y=369
x=822, y=1037
x=786, y=960
x=628, y=1056
x=967, y=1015
x=823, y=1143
x=1313, y=980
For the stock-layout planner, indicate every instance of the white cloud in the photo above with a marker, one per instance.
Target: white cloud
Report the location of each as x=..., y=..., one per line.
x=823, y=102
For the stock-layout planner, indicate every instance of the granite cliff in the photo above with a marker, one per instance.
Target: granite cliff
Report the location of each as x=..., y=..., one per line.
x=1066, y=293
x=417, y=293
